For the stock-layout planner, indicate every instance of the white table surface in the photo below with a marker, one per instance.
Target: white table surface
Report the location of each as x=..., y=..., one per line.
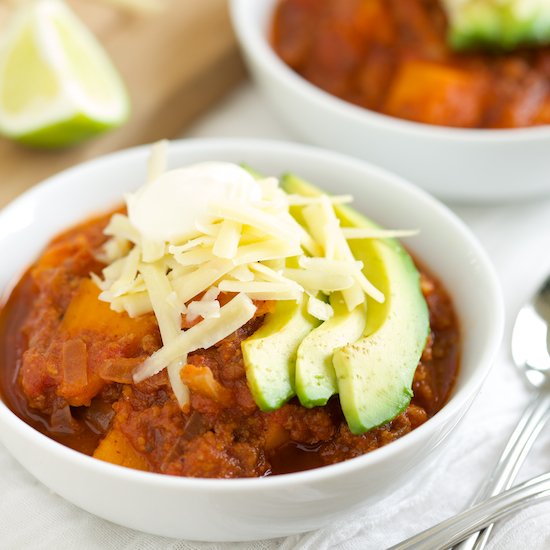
x=517, y=238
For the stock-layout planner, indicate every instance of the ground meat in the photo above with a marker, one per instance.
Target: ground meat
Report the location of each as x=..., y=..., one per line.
x=392, y=56
x=73, y=358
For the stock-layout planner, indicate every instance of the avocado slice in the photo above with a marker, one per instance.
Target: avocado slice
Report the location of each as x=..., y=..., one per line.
x=270, y=353
x=375, y=373
x=497, y=25
x=315, y=375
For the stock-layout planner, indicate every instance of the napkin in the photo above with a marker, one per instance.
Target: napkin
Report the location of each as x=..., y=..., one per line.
x=517, y=238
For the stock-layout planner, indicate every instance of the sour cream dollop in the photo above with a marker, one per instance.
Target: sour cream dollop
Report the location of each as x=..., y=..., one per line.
x=169, y=207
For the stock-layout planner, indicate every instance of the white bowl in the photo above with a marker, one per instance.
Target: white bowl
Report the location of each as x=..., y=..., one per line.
x=461, y=165
x=246, y=509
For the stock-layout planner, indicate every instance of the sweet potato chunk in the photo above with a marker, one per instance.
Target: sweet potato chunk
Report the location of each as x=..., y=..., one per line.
x=429, y=92
x=116, y=449
x=275, y=434
x=87, y=312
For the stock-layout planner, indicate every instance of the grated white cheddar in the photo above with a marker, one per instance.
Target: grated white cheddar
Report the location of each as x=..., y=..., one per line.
x=366, y=233
x=312, y=215
x=211, y=294
x=277, y=264
x=331, y=227
x=319, y=309
x=243, y=240
x=353, y=296
x=270, y=188
x=152, y=251
x=203, y=335
x=204, y=277
x=112, y=272
x=208, y=307
x=120, y=226
x=319, y=280
x=181, y=391
x=133, y=304
x=343, y=251
x=160, y=290
x=261, y=220
x=310, y=245
x=129, y=270
x=227, y=241
x=202, y=308
x=113, y=249
x=190, y=244
x=342, y=267
x=271, y=274
x=195, y=256
x=260, y=289
x=267, y=250
x=301, y=200
x=242, y=273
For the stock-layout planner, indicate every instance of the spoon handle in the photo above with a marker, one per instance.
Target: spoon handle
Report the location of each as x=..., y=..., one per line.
x=452, y=531
x=521, y=440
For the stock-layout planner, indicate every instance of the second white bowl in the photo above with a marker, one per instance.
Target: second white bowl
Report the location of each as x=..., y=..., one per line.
x=460, y=165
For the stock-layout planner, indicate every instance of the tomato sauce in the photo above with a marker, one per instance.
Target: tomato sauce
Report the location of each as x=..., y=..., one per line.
x=65, y=369
x=391, y=56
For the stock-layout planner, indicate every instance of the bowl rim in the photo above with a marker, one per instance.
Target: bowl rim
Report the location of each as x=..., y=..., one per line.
x=457, y=402
x=256, y=44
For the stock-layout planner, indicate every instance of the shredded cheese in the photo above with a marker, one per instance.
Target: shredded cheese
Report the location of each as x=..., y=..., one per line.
x=319, y=309
x=190, y=244
x=203, y=335
x=204, y=277
x=255, y=217
x=181, y=391
x=319, y=280
x=207, y=307
x=365, y=233
x=353, y=297
x=267, y=250
x=243, y=240
x=263, y=290
x=227, y=242
x=341, y=267
x=133, y=304
x=242, y=273
x=121, y=227
x=300, y=200
x=129, y=269
x=195, y=256
x=160, y=290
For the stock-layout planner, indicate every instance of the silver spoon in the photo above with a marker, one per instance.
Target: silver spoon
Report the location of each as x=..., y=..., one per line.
x=452, y=531
x=530, y=351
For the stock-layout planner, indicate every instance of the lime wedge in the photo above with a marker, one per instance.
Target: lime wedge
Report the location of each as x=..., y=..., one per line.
x=57, y=84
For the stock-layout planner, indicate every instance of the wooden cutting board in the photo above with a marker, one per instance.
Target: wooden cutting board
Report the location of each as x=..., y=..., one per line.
x=176, y=62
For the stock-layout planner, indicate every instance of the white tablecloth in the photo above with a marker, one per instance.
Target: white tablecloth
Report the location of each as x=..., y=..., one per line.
x=517, y=237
